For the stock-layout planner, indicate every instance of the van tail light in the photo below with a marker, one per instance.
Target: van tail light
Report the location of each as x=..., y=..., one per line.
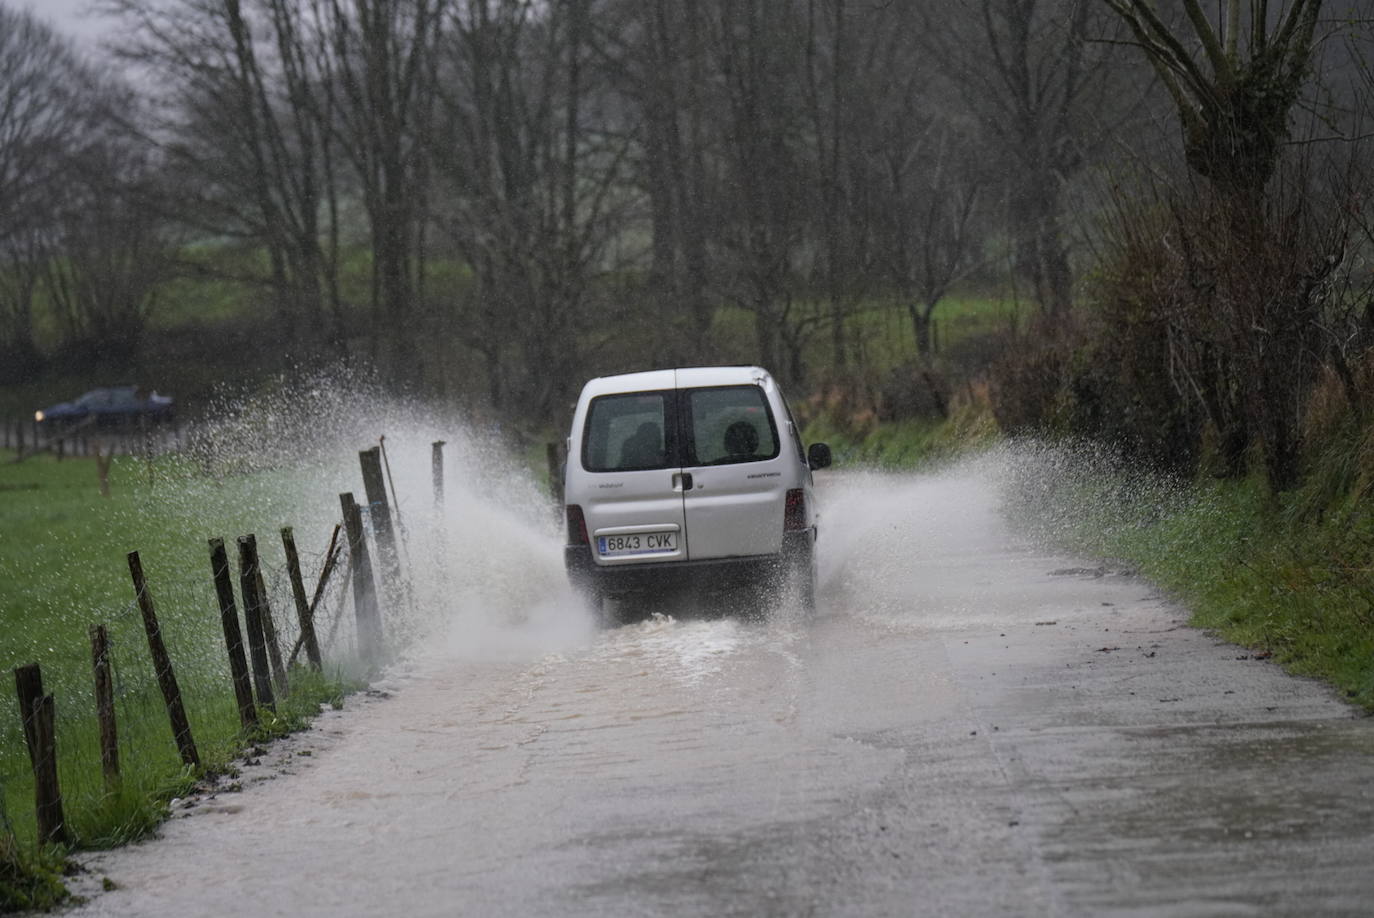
x=794, y=513
x=577, y=526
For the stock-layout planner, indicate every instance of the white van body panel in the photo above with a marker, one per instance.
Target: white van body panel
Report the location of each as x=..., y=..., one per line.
x=626, y=503
x=737, y=509
x=728, y=517
x=731, y=510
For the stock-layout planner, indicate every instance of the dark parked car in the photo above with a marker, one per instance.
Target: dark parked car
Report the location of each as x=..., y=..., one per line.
x=116, y=406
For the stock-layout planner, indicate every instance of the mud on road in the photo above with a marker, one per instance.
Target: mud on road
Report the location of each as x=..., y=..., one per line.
x=969, y=726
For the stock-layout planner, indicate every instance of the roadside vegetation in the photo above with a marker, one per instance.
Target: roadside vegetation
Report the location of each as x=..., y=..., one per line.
x=1287, y=578
x=63, y=569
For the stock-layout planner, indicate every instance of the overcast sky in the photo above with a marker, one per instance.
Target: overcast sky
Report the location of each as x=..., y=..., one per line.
x=71, y=16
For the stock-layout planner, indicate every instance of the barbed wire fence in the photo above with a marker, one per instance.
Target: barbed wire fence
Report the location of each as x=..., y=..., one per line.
x=118, y=746
x=98, y=812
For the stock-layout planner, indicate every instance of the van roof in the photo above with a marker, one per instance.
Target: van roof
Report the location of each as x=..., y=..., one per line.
x=679, y=377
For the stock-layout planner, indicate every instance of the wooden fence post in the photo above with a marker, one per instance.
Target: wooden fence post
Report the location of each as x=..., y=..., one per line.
x=104, y=707
x=36, y=716
x=233, y=636
x=28, y=683
x=162, y=666
x=436, y=465
x=379, y=511
x=52, y=826
x=303, y=611
x=269, y=629
x=365, y=604
x=252, y=618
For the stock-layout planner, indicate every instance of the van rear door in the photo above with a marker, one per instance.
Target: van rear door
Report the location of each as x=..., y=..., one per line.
x=634, y=512
x=734, y=456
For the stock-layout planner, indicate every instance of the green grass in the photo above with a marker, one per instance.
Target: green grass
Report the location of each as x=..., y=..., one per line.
x=30, y=878
x=1246, y=566
x=880, y=334
x=63, y=568
x=1303, y=592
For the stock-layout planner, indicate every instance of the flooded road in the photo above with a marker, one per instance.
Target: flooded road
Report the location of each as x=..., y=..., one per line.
x=968, y=726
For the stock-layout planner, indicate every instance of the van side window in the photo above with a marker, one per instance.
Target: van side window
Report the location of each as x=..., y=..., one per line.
x=796, y=428
x=729, y=424
x=628, y=433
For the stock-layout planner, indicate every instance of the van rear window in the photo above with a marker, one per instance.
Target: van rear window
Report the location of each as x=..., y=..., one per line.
x=627, y=433
x=729, y=424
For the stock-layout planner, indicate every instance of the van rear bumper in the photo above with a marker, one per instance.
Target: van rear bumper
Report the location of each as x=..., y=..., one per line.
x=708, y=575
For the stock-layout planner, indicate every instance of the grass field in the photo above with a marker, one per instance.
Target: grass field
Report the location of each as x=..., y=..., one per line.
x=63, y=567
x=880, y=335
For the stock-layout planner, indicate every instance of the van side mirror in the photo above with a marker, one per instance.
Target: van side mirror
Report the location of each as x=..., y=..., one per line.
x=818, y=456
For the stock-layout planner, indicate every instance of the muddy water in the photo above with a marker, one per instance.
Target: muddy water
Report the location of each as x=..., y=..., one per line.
x=968, y=727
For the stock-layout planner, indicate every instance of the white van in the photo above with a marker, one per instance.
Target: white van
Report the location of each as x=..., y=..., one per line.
x=689, y=478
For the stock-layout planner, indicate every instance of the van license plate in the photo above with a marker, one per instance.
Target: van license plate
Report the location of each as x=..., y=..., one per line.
x=640, y=543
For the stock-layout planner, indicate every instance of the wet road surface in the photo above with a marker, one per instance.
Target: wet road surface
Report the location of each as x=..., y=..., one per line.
x=968, y=727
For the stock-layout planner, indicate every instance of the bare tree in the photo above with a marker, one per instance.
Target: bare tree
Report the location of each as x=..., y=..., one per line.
x=114, y=253
x=532, y=196
x=1042, y=78
x=1234, y=81
x=756, y=49
x=42, y=117
x=930, y=236
x=384, y=57
x=244, y=130
x=654, y=54
x=1258, y=270
x=831, y=63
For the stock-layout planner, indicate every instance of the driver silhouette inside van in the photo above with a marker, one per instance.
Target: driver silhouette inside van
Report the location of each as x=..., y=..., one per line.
x=741, y=440
x=644, y=448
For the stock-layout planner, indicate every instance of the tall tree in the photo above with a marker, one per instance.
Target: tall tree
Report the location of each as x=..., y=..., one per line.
x=1258, y=270
x=930, y=235
x=44, y=116
x=756, y=47
x=384, y=62
x=114, y=252
x=830, y=63
x=1234, y=81
x=654, y=54
x=244, y=126
x=530, y=190
x=1042, y=78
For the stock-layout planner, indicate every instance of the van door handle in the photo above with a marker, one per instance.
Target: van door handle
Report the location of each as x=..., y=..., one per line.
x=682, y=481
